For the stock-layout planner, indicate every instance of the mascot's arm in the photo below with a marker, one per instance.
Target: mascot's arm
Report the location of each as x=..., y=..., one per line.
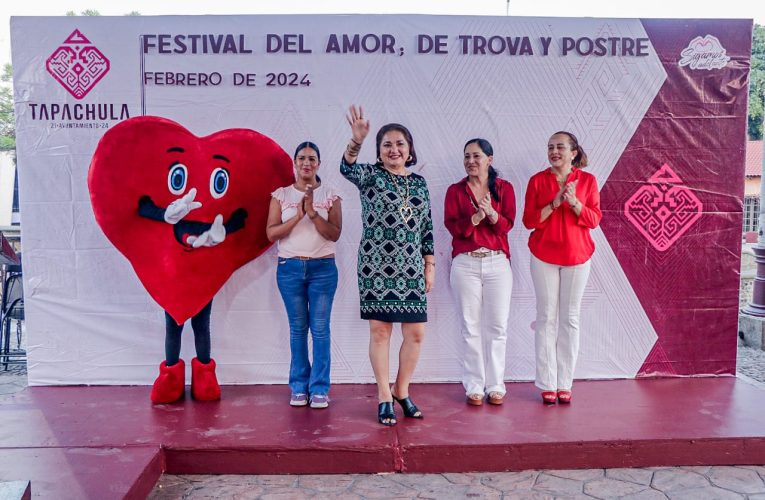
x=236, y=221
x=147, y=208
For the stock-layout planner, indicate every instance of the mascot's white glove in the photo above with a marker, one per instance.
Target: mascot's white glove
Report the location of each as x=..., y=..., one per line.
x=181, y=207
x=213, y=236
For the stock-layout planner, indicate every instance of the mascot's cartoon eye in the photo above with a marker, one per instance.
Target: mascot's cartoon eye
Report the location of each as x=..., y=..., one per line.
x=176, y=179
x=219, y=182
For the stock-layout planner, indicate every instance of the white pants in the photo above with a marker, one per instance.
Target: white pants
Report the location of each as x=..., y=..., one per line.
x=481, y=288
x=559, y=291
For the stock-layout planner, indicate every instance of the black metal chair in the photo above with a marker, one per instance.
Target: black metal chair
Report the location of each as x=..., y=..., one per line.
x=12, y=310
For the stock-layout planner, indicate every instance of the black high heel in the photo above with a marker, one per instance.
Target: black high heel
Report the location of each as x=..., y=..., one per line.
x=410, y=409
x=385, y=412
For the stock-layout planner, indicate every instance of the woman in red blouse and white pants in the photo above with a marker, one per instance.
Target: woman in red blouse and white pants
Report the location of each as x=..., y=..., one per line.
x=562, y=205
x=479, y=211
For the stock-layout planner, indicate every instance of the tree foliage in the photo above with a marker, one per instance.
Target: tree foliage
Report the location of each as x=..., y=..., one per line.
x=7, y=118
x=86, y=12
x=94, y=12
x=757, y=84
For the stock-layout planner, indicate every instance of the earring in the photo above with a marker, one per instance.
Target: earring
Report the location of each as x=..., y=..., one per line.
x=409, y=159
x=379, y=160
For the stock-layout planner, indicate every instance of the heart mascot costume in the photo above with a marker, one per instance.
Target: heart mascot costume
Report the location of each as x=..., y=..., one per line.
x=186, y=212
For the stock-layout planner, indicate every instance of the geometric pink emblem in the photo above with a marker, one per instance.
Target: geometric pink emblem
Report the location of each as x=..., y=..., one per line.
x=77, y=65
x=663, y=210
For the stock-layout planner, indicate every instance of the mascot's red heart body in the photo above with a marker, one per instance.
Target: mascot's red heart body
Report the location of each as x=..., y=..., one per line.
x=187, y=212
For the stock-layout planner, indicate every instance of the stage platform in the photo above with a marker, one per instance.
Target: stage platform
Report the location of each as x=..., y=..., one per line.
x=110, y=442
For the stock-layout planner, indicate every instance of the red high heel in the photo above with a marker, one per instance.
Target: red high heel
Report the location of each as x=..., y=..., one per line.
x=549, y=397
x=564, y=397
x=170, y=384
x=204, y=383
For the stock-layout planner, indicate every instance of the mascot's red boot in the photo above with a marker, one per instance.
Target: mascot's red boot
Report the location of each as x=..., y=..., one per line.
x=169, y=386
x=204, y=383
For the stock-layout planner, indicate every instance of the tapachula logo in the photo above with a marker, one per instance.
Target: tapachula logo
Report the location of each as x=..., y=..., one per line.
x=77, y=65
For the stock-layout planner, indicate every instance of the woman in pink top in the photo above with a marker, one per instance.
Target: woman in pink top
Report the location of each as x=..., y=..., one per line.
x=306, y=219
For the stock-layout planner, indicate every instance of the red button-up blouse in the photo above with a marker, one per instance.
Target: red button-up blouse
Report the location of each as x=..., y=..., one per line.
x=563, y=238
x=459, y=207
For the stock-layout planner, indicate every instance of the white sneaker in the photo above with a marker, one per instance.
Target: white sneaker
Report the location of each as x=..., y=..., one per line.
x=319, y=401
x=298, y=399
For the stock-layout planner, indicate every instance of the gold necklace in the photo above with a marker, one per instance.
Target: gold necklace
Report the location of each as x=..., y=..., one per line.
x=405, y=210
x=560, y=181
x=473, y=203
x=471, y=198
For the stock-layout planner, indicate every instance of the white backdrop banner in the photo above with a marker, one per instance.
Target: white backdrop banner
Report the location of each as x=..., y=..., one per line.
x=513, y=81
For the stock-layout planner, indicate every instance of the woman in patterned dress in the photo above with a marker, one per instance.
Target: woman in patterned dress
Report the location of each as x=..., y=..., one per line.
x=396, y=265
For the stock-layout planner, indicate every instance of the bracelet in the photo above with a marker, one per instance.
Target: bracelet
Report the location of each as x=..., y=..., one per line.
x=352, y=150
x=312, y=217
x=356, y=143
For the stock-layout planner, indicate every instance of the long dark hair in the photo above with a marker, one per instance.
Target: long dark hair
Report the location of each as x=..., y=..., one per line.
x=407, y=136
x=311, y=145
x=493, y=174
x=581, y=157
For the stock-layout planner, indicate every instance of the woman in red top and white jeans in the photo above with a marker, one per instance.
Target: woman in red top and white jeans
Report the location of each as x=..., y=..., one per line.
x=479, y=211
x=562, y=205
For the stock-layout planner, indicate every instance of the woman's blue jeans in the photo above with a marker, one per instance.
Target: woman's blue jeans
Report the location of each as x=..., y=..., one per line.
x=308, y=288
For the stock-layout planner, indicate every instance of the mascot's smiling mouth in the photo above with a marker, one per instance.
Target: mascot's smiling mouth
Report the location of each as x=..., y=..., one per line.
x=183, y=229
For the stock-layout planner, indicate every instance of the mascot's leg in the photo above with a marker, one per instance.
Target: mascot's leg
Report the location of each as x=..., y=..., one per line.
x=169, y=385
x=204, y=383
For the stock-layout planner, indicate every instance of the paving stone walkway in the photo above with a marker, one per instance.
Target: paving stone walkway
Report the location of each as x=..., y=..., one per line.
x=751, y=362
x=682, y=483
x=687, y=483
x=13, y=379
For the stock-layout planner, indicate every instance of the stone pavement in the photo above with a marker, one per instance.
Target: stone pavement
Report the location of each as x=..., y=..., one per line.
x=691, y=483
x=13, y=380
x=751, y=362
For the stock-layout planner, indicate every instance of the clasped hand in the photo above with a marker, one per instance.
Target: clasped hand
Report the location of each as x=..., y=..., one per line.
x=308, y=201
x=485, y=209
x=567, y=193
x=306, y=204
x=484, y=204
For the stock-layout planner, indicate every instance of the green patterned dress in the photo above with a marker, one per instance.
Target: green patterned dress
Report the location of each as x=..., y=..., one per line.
x=391, y=264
